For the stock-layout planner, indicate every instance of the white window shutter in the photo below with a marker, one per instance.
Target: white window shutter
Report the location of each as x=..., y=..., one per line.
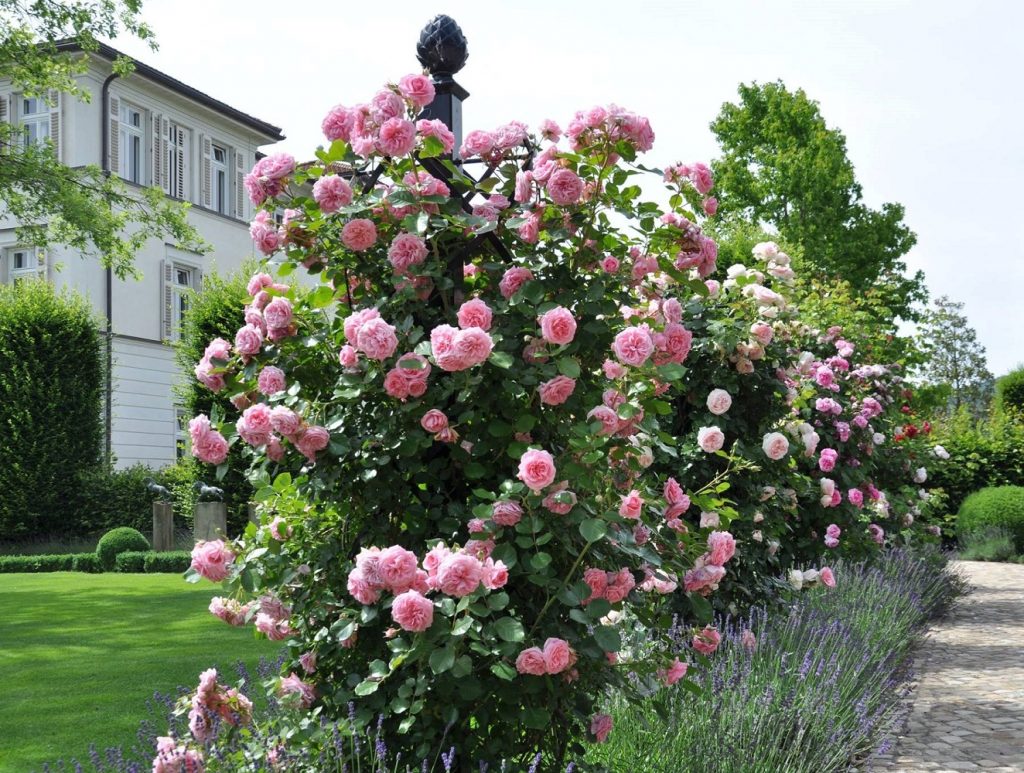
x=239, y=184
x=55, y=116
x=159, y=153
x=114, y=135
x=5, y=109
x=167, y=300
x=206, y=171
x=197, y=280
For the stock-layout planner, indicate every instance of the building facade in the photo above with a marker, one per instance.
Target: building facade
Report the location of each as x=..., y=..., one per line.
x=150, y=130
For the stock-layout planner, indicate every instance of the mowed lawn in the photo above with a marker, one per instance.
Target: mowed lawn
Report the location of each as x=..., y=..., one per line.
x=80, y=654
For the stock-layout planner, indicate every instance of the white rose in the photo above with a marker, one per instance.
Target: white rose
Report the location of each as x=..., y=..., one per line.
x=796, y=579
x=719, y=401
x=810, y=576
x=920, y=475
x=757, y=536
x=878, y=438
x=775, y=445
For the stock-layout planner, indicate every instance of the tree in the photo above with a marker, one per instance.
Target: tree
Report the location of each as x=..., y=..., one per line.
x=83, y=208
x=782, y=166
x=954, y=358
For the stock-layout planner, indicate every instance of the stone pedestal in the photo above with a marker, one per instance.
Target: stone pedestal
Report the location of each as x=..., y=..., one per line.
x=254, y=516
x=211, y=521
x=163, y=526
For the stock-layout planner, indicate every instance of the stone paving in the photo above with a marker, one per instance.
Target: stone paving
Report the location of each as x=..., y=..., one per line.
x=968, y=706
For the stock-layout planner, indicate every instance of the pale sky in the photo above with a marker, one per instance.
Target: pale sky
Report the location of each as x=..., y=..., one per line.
x=928, y=93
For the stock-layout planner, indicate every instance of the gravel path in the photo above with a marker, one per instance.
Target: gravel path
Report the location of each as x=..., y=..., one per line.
x=968, y=711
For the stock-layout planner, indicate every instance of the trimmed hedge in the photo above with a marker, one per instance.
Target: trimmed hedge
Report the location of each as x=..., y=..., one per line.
x=981, y=455
x=1010, y=391
x=998, y=506
x=51, y=383
x=151, y=562
x=117, y=541
x=68, y=562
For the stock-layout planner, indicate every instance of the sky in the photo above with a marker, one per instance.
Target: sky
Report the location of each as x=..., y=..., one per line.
x=928, y=93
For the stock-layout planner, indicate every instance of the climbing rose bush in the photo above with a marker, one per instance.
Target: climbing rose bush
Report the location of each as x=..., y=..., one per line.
x=473, y=435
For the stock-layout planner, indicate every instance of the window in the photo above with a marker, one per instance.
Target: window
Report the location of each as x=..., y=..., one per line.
x=219, y=180
x=130, y=146
x=181, y=437
x=183, y=283
x=35, y=121
x=21, y=263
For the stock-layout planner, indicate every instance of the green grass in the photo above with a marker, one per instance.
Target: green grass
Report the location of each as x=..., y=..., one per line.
x=80, y=654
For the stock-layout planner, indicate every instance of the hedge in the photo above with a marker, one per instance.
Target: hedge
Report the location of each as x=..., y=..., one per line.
x=118, y=541
x=67, y=562
x=151, y=562
x=997, y=506
x=1010, y=391
x=51, y=384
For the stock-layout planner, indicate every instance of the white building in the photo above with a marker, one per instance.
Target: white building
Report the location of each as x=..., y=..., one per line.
x=151, y=130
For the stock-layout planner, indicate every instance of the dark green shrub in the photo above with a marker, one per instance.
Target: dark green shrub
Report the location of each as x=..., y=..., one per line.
x=173, y=561
x=51, y=381
x=86, y=562
x=994, y=543
x=130, y=562
x=117, y=541
x=1010, y=391
x=40, y=563
x=993, y=507
x=110, y=498
x=213, y=313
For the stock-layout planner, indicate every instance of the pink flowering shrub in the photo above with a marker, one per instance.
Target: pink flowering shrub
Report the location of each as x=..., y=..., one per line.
x=491, y=431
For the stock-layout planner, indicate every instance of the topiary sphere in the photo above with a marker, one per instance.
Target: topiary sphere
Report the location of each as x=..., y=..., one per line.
x=117, y=541
x=994, y=506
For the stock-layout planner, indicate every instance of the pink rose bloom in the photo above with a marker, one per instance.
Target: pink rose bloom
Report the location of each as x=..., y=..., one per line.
x=278, y=313
x=719, y=401
x=775, y=445
x=418, y=89
x=332, y=193
x=707, y=641
x=396, y=567
x=558, y=326
x=763, y=332
x=359, y=234
x=597, y=579
x=275, y=451
x=356, y=320
x=211, y=448
x=827, y=460
x=831, y=543
x=536, y=469
x=826, y=576
x=877, y=533
x=475, y=313
x=564, y=187
x=673, y=673
x=700, y=176
x=856, y=497
x=557, y=655
x=512, y=280
x=610, y=264
x=397, y=137
x=495, y=574
x=633, y=346
x=557, y=390
x=436, y=128
x=710, y=205
x=459, y=574
x=709, y=519
x=632, y=505
x=531, y=661
x=721, y=547
x=748, y=640
x=292, y=685
x=258, y=419
x=348, y=356
x=550, y=130
x=612, y=370
x=619, y=585
x=703, y=579
x=412, y=611
x=608, y=418
x=434, y=421
x=279, y=529
x=271, y=380
x=524, y=187
x=361, y=589
x=477, y=143
x=274, y=628
x=406, y=250
x=258, y=282
x=313, y=439
x=212, y=560
x=710, y=439
x=506, y=513
x=308, y=662
x=560, y=501
x=248, y=340
x=337, y=124
x=376, y=339
x=285, y=420
x=600, y=727
x=469, y=347
x=833, y=531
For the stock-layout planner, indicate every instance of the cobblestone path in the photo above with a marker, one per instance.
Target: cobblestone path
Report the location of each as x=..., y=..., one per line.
x=968, y=711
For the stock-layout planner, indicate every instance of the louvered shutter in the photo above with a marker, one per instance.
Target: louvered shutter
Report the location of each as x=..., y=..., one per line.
x=159, y=152
x=167, y=300
x=55, y=116
x=177, y=135
x=206, y=172
x=197, y=280
x=239, y=184
x=6, y=116
x=114, y=136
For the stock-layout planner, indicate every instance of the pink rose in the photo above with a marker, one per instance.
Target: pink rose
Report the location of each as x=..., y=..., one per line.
x=396, y=567
x=313, y=439
x=536, y=469
x=436, y=128
x=877, y=533
x=558, y=326
x=557, y=390
x=826, y=576
x=710, y=519
x=633, y=346
x=710, y=205
x=721, y=547
x=673, y=673
x=700, y=176
x=597, y=579
x=397, y=137
x=279, y=529
x=775, y=445
x=376, y=339
x=612, y=370
x=512, y=280
x=434, y=421
x=356, y=320
x=418, y=89
x=632, y=505
x=703, y=579
x=332, y=193
x=719, y=401
x=531, y=661
x=212, y=560
x=337, y=124
x=271, y=380
x=469, y=347
x=459, y=574
x=475, y=313
x=359, y=235
x=560, y=501
x=477, y=143
x=211, y=448
x=856, y=497
x=710, y=439
x=407, y=250
x=292, y=685
x=495, y=574
x=557, y=655
x=258, y=282
x=248, y=340
x=347, y=356
x=361, y=589
x=707, y=641
x=608, y=418
x=827, y=459
x=285, y=421
x=278, y=313
x=412, y=611
x=600, y=727
x=564, y=187
x=506, y=513
x=275, y=451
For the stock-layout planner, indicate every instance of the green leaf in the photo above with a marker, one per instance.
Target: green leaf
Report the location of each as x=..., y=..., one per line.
x=539, y=719
x=607, y=638
x=540, y=560
x=442, y=659
x=463, y=667
x=497, y=601
x=462, y=625
x=509, y=629
x=568, y=367
x=432, y=147
x=593, y=529
x=671, y=372
x=321, y=297
x=504, y=671
x=367, y=687
x=501, y=359
x=701, y=608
